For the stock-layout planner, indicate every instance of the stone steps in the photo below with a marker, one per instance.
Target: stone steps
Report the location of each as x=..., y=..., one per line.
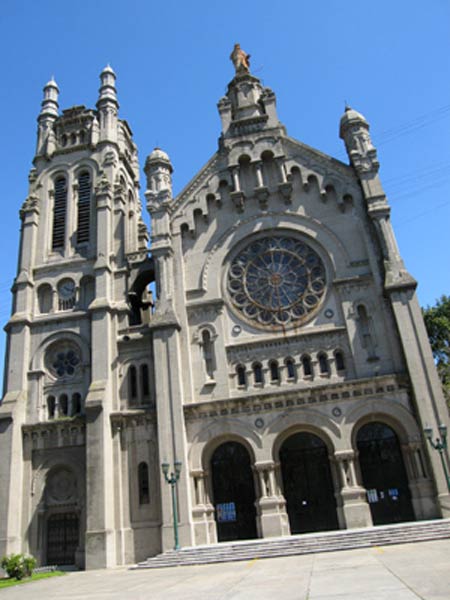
x=331, y=541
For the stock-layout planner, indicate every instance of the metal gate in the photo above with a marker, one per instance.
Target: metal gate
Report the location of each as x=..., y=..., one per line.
x=62, y=538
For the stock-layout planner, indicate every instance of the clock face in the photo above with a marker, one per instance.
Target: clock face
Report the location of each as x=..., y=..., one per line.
x=66, y=289
x=276, y=281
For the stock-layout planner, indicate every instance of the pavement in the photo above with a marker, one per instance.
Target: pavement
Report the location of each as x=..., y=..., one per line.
x=404, y=572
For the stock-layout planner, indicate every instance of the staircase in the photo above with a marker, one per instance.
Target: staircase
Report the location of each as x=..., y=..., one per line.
x=331, y=541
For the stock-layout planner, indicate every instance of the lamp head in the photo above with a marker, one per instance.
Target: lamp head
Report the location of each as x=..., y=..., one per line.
x=428, y=432
x=165, y=467
x=443, y=431
x=177, y=465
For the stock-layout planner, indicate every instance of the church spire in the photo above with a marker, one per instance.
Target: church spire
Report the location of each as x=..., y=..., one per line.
x=108, y=105
x=46, y=118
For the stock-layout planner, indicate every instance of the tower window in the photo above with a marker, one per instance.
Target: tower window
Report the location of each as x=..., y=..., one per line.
x=274, y=371
x=339, y=358
x=307, y=366
x=241, y=376
x=143, y=484
x=51, y=405
x=145, y=384
x=258, y=373
x=132, y=381
x=45, y=298
x=290, y=368
x=63, y=406
x=84, y=207
x=323, y=364
x=59, y=213
x=208, y=353
x=76, y=404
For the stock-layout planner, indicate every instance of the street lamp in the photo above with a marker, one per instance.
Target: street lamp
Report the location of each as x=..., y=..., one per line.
x=440, y=445
x=172, y=481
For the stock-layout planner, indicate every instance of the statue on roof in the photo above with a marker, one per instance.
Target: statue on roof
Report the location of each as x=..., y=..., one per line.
x=240, y=59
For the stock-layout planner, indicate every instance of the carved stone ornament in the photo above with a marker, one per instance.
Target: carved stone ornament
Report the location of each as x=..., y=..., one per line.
x=61, y=486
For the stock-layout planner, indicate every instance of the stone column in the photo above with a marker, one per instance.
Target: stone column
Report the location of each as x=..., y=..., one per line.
x=355, y=507
x=203, y=511
x=420, y=485
x=272, y=519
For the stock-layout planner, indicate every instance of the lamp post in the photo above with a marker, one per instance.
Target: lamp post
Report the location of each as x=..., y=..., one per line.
x=172, y=481
x=440, y=445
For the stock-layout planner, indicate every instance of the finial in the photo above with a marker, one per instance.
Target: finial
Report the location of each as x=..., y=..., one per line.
x=240, y=59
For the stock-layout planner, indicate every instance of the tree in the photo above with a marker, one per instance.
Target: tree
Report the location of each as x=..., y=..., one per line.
x=437, y=322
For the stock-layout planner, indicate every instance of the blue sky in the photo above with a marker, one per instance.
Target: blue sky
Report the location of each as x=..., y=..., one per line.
x=389, y=60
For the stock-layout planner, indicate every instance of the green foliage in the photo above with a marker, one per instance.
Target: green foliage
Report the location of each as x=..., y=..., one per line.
x=18, y=566
x=437, y=322
x=35, y=577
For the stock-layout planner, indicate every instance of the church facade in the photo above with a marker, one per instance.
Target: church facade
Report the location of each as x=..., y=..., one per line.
x=267, y=345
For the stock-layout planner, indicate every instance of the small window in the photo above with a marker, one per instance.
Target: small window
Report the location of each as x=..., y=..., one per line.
x=241, y=375
x=63, y=406
x=258, y=376
x=274, y=371
x=307, y=366
x=323, y=364
x=145, y=384
x=290, y=368
x=340, y=363
x=59, y=214
x=132, y=379
x=143, y=483
x=45, y=295
x=76, y=404
x=51, y=405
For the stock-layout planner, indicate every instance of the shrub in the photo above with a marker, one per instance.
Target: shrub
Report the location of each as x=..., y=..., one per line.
x=18, y=566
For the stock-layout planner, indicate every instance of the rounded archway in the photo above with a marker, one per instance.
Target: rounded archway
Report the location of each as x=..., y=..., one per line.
x=307, y=483
x=383, y=474
x=233, y=492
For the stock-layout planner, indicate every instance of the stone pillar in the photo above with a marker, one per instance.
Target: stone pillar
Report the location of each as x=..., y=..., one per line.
x=203, y=511
x=272, y=519
x=421, y=487
x=355, y=507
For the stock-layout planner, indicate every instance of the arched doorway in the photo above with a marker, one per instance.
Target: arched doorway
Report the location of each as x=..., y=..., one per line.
x=384, y=475
x=307, y=484
x=233, y=492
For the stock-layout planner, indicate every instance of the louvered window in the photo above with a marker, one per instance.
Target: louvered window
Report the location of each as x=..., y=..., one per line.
x=59, y=214
x=84, y=207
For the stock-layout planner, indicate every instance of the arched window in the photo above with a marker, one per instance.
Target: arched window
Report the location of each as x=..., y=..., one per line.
x=290, y=368
x=258, y=376
x=45, y=298
x=323, y=364
x=51, y=406
x=339, y=358
x=307, y=366
x=145, y=383
x=143, y=483
x=241, y=375
x=132, y=382
x=208, y=353
x=274, y=371
x=76, y=405
x=63, y=406
x=59, y=214
x=364, y=331
x=84, y=207
x=87, y=291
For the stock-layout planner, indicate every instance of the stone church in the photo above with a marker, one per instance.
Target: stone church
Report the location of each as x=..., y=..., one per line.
x=267, y=346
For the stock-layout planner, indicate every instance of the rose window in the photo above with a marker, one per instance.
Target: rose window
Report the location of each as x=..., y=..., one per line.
x=63, y=360
x=276, y=281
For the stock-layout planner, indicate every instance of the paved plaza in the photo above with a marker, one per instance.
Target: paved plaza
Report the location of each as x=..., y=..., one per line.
x=406, y=572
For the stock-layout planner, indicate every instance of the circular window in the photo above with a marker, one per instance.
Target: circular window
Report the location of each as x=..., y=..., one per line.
x=63, y=359
x=276, y=281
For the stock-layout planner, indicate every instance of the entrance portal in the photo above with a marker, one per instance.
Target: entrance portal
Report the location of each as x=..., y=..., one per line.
x=307, y=483
x=62, y=538
x=384, y=475
x=233, y=492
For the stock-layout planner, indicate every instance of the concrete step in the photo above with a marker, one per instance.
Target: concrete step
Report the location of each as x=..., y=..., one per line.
x=330, y=541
